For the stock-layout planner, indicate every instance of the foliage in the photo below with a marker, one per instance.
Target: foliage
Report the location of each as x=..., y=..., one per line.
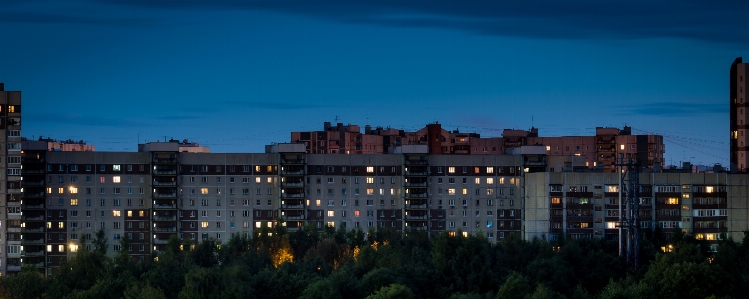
x=308, y=263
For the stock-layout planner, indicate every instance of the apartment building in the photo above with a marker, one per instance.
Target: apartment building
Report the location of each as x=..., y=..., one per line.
x=600, y=150
x=739, y=122
x=710, y=206
x=10, y=180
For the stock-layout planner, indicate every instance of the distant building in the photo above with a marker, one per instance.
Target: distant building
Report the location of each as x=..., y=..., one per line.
x=10, y=161
x=600, y=151
x=67, y=145
x=738, y=85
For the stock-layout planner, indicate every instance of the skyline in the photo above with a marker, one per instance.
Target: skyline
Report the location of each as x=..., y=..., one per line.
x=237, y=75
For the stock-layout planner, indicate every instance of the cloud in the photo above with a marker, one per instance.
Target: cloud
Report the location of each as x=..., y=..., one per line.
x=721, y=21
x=670, y=109
x=39, y=17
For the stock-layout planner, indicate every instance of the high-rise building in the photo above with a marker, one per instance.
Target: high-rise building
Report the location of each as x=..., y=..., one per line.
x=739, y=120
x=10, y=179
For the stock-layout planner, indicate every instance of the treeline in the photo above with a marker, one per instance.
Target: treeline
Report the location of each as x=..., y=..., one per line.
x=389, y=264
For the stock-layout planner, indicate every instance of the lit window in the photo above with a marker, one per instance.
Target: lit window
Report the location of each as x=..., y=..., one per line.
x=203, y=190
x=115, y=167
x=356, y=213
x=490, y=181
x=451, y=169
x=116, y=213
x=370, y=191
x=451, y=191
x=73, y=201
x=116, y=179
x=370, y=180
x=204, y=224
x=370, y=169
x=331, y=213
x=73, y=190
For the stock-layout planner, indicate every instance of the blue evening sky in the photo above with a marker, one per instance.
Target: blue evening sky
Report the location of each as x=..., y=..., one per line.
x=236, y=75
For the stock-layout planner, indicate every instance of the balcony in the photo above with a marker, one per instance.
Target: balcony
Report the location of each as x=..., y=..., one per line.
x=32, y=183
x=32, y=253
x=422, y=206
x=165, y=195
x=32, y=230
x=416, y=217
x=292, y=195
x=416, y=162
x=416, y=184
x=297, y=217
x=165, y=229
x=32, y=171
x=165, y=218
x=535, y=163
x=35, y=218
x=160, y=241
x=292, y=161
x=284, y=184
x=299, y=206
x=165, y=160
x=164, y=206
x=292, y=172
x=168, y=184
x=413, y=195
x=32, y=242
x=27, y=207
x=416, y=173
x=165, y=171
x=35, y=194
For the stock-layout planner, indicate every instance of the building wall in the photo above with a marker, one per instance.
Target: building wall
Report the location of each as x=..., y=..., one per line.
x=10, y=180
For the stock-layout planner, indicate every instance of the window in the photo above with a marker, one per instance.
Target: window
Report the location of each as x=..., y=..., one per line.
x=73, y=201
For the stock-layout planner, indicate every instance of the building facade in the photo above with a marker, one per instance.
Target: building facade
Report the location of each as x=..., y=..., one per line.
x=739, y=122
x=600, y=150
x=10, y=181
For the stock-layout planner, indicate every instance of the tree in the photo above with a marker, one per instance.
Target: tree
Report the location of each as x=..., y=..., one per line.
x=516, y=286
x=393, y=291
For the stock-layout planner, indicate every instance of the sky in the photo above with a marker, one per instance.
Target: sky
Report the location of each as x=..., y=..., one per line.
x=237, y=75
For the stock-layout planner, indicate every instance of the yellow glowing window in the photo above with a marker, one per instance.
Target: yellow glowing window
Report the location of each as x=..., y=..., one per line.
x=49, y=190
x=451, y=169
x=204, y=224
x=141, y=213
x=270, y=179
x=451, y=191
x=672, y=201
x=73, y=201
x=477, y=180
x=356, y=213
x=709, y=189
x=61, y=224
x=490, y=181
x=116, y=179
x=116, y=213
x=257, y=179
x=73, y=248
x=73, y=190
x=60, y=190
x=370, y=169
x=490, y=169
x=61, y=248
x=370, y=180
x=203, y=190
x=129, y=213
x=370, y=191
x=465, y=191
x=331, y=213
x=556, y=200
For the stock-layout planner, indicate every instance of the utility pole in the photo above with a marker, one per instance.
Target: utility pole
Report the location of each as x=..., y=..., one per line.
x=629, y=210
